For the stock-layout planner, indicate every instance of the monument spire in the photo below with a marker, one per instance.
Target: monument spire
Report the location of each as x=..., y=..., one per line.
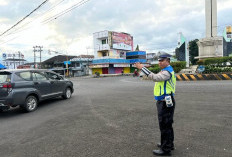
x=211, y=45
x=211, y=18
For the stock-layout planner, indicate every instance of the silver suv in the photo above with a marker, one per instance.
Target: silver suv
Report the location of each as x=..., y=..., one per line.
x=27, y=87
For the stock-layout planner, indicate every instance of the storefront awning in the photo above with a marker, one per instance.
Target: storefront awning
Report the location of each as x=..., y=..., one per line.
x=2, y=66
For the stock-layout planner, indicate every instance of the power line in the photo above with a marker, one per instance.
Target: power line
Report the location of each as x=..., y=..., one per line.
x=55, y=16
x=46, y=12
x=24, y=17
x=65, y=11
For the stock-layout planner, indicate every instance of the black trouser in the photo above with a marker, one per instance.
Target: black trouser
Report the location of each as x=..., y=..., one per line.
x=165, y=116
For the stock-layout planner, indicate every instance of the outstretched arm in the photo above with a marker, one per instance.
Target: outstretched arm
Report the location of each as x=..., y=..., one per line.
x=161, y=76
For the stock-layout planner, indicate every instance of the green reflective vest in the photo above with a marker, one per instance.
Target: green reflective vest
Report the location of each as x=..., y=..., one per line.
x=167, y=87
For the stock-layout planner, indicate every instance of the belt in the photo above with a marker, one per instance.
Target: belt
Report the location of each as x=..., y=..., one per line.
x=161, y=100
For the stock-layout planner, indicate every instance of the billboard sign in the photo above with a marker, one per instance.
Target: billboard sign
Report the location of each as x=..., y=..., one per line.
x=99, y=66
x=228, y=32
x=122, y=41
x=121, y=65
x=13, y=55
x=228, y=29
x=145, y=64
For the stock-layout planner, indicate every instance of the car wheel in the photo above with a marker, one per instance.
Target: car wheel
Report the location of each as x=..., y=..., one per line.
x=67, y=94
x=31, y=104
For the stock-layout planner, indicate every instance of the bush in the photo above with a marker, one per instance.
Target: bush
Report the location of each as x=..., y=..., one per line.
x=216, y=65
x=201, y=62
x=219, y=61
x=177, y=66
x=155, y=68
x=211, y=69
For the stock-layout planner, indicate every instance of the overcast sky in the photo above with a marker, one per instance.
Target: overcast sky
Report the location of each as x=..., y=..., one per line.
x=154, y=24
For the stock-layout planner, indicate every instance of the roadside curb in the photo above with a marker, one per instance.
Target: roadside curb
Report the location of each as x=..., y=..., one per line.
x=114, y=75
x=196, y=77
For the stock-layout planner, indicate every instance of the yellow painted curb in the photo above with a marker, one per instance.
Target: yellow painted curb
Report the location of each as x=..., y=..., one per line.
x=226, y=76
x=186, y=78
x=200, y=76
x=193, y=77
x=179, y=78
x=217, y=76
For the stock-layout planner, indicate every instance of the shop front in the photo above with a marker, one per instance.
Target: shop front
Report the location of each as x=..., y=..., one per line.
x=110, y=68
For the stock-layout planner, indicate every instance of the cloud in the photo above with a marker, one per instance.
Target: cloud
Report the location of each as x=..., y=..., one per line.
x=3, y=2
x=154, y=24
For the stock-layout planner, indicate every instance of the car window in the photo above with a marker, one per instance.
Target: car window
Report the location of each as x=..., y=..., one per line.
x=53, y=76
x=38, y=76
x=23, y=76
x=4, y=77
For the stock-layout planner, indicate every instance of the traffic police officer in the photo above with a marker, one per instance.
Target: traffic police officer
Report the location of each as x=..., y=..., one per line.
x=164, y=91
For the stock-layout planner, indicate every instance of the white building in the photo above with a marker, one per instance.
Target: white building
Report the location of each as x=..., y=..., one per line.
x=110, y=52
x=112, y=44
x=13, y=60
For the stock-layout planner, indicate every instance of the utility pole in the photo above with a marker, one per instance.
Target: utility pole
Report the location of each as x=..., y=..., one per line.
x=87, y=67
x=37, y=49
x=14, y=59
x=67, y=64
x=19, y=56
x=40, y=50
x=34, y=55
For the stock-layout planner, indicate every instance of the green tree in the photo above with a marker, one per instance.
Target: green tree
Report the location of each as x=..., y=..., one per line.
x=193, y=51
x=137, y=48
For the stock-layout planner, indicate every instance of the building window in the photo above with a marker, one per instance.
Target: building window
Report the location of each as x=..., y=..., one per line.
x=77, y=64
x=122, y=54
x=104, y=54
x=103, y=41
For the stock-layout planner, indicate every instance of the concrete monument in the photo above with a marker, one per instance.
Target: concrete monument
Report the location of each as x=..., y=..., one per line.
x=211, y=45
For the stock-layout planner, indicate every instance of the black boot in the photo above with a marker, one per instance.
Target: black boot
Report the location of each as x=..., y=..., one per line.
x=160, y=152
x=159, y=145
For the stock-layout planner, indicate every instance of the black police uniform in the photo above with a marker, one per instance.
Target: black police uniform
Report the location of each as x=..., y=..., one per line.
x=165, y=117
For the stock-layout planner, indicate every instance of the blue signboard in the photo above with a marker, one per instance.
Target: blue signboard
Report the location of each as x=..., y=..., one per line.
x=67, y=62
x=201, y=68
x=4, y=55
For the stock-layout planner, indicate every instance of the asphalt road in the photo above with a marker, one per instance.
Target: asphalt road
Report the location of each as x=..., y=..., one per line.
x=117, y=117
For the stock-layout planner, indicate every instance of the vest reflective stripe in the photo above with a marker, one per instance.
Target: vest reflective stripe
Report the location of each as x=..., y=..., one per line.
x=163, y=88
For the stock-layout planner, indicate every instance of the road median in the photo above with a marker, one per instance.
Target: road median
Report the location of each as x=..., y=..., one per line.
x=196, y=77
